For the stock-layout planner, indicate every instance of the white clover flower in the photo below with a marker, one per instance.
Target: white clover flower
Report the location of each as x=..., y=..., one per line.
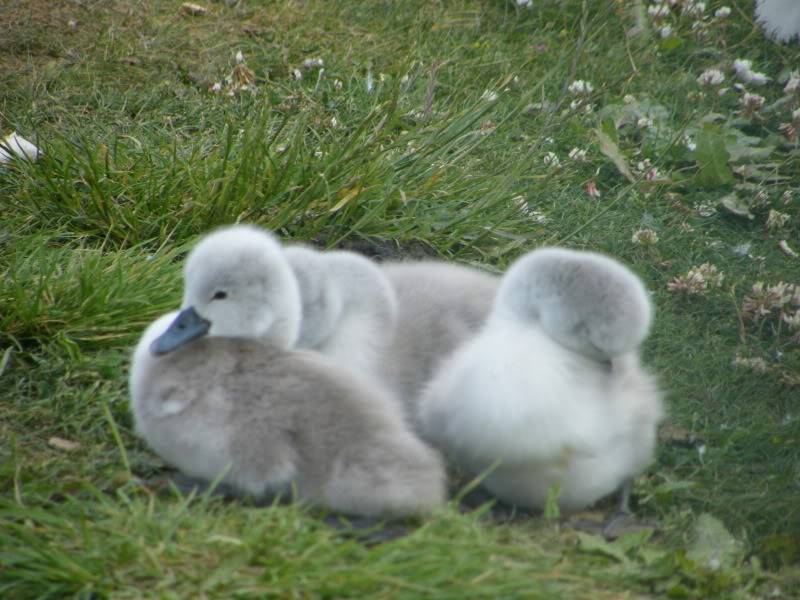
x=744, y=71
x=711, y=77
x=551, y=160
x=645, y=237
x=216, y=88
x=296, y=74
x=629, y=98
x=239, y=57
x=644, y=123
x=758, y=364
x=577, y=155
x=691, y=145
x=580, y=87
x=776, y=220
x=723, y=12
x=752, y=102
x=694, y=8
x=793, y=85
x=313, y=63
x=665, y=31
x=658, y=11
x=337, y=84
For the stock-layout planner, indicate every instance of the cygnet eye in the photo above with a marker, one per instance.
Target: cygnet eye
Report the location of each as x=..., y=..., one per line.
x=219, y=295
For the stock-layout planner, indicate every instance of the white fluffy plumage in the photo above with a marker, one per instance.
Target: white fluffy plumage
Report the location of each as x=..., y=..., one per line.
x=551, y=390
x=779, y=18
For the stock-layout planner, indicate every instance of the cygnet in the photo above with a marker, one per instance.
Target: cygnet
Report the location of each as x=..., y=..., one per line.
x=551, y=392
x=780, y=19
x=219, y=394
x=439, y=307
x=349, y=307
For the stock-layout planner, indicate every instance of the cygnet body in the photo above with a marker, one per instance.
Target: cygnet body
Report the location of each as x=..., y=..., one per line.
x=349, y=307
x=551, y=390
x=439, y=307
x=218, y=393
x=779, y=18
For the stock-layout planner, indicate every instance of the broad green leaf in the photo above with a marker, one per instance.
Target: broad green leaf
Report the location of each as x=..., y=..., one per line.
x=712, y=158
x=713, y=547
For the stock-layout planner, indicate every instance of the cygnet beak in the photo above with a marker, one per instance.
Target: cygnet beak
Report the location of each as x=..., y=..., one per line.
x=187, y=326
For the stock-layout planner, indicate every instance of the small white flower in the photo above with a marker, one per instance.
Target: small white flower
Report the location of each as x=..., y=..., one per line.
x=577, y=155
x=312, y=63
x=525, y=3
x=658, y=11
x=744, y=71
x=776, y=220
x=334, y=122
x=752, y=102
x=691, y=145
x=629, y=98
x=793, y=85
x=216, y=88
x=239, y=57
x=579, y=87
x=711, y=77
x=337, y=84
x=645, y=237
x=665, y=31
x=644, y=123
x=723, y=12
x=548, y=140
x=489, y=96
x=551, y=159
x=296, y=74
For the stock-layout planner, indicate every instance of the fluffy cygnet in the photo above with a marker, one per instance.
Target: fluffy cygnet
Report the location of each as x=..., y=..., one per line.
x=551, y=390
x=349, y=307
x=217, y=392
x=779, y=18
x=439, y=307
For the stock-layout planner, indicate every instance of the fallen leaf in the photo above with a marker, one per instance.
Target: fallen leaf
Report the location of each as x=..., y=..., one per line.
x=62, y=444
x=612, y=151
x=786, y=249
x=678, y=436
x=193, y=10
x=736, y=206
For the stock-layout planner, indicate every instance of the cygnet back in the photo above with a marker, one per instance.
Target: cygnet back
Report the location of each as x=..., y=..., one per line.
x=349, y=307
x=439, y=307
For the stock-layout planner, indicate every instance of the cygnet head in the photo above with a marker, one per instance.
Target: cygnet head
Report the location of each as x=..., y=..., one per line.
x=322, y=303
x=237, y=283
x=588, y=302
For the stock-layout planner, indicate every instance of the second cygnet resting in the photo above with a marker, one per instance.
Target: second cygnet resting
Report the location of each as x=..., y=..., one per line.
x=550, y=392
x=439, y=307
x=218, y=393
x=349, y=307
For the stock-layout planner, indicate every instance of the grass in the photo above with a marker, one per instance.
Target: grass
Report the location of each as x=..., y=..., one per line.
x=397, y=148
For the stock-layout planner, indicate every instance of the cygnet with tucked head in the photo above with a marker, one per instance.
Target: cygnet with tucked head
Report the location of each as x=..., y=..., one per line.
x=780, y=19
x=349, y=307
x=551, y=391
x=218, y=393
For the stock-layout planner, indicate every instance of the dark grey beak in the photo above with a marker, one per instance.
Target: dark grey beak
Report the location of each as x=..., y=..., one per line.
x=187, y=326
